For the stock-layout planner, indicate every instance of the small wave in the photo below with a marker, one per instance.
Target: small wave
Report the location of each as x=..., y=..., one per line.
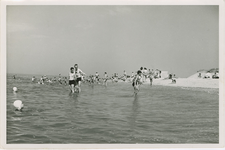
x=16, y=119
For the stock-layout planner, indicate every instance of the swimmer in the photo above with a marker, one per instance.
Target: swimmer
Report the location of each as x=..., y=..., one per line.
x=33, y=79
x=115, y=78
x=60, y=79
x=137, y=81
x=125, y=74
x=92, y=79
x=50, y=80
x=72, y=79
x=112, y=78
x=78, y=73
x=42, y=80
x=54, y=79
x=97, y=77
x=45, y=78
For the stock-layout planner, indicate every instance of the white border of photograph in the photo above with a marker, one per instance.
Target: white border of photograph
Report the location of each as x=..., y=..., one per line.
x=5, y=3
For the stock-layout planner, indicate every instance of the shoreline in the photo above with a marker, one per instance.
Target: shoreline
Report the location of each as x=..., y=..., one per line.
x=187, y=82
x=182, y=82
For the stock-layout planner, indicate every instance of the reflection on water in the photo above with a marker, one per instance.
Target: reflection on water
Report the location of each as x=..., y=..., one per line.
x=100, y=114
x=134, y=113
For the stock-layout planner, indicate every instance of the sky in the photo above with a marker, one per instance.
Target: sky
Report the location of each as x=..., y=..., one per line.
x=48, y=40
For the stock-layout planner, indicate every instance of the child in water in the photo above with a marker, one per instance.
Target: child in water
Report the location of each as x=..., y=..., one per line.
x=72, y=79
x=105, y=79
x=137, y=81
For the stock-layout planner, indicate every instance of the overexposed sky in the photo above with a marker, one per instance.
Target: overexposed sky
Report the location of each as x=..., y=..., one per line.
x=50, y=39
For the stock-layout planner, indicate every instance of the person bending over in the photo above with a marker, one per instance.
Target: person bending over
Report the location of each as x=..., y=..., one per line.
x=137, y=81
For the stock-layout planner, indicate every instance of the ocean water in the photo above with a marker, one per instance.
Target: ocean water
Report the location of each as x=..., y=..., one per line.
x=112, y=114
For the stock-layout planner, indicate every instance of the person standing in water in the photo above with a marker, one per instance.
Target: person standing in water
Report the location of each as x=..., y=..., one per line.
x=105, y=79
x=78, y=73
x=124, y=75
x=97, y=77
x=145, y=74
x=41, y=80
x=137, y=81
x=60, y=79
x=142, y=72
x=151, y=76
x=132, y=74
x=72, y=79
x=33, y=79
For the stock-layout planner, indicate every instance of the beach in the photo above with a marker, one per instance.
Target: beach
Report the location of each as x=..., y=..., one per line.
x=187, y=82
x=114, y=73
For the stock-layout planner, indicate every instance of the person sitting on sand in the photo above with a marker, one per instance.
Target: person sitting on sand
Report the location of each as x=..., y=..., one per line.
x=137, y=81
x=174, y=79
x=216, y=75
x=207, y=75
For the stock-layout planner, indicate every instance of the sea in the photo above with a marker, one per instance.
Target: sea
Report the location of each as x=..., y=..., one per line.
x=112, y=114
